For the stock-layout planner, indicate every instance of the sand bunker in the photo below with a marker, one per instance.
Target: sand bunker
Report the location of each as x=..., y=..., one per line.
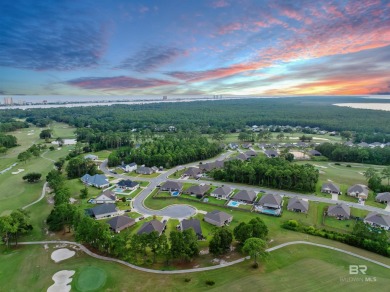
x=61, y=280
x=62, y=254
x=19, y=171
x=320, y=166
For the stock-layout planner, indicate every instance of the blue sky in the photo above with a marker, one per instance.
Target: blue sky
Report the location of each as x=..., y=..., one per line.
x=237, y=47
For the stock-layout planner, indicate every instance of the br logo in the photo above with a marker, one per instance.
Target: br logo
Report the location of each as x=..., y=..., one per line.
x=357, y=269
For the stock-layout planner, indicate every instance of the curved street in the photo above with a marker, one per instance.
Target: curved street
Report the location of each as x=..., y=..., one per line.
x=183, y=210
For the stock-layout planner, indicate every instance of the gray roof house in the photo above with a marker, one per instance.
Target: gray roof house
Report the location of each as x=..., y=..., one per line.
x=330, y=188
x=105, y=197
x=314, y=153
x=233, y=146
x=149, y=227
x=90, y=157
x=198, y=190
x=205, y=167
x=271, y=153
x=222, y=192
x=359, y=191
x=103, y=211
x=363, y=144
x=97, y=180
x=378, y=220
x=271, y=201
x=145, y=170
x=340, y=211
x=245, y=196
x=218, y=218
x=194, y=224
x=250, y=153
x=127, y=184
x=193, y=172
x=117, y=224
x=298, y=205
x=383, y=197
x=246, y=145
x=242, y=156
x=171, y=186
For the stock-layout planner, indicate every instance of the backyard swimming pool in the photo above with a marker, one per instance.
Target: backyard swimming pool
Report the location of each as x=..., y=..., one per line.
x=175, y=194
x=118, y=190
x=233, y=204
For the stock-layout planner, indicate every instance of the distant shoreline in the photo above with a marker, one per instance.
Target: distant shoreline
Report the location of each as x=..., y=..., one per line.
x=369, y=106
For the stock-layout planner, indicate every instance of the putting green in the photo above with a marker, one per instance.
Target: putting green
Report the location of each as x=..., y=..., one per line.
x=90, y=279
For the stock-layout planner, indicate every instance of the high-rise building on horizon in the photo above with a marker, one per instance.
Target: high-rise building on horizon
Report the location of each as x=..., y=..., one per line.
x=8, y=101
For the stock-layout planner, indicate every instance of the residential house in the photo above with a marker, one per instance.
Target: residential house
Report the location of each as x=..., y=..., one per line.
x=270, y=204
x=271, y=153
x=145, y=170
x=349, y=144
x=242, y=156
x=302, y=144
x=246, y=145
x=130, y=167
x=298, y=205
x=376, y=144
x=363, y=145
x=330, y=188
x=378, y=220
x=359, y=191
x=250, y=153
x=340, y=211
x=218, y=218
x=206, y=167
x=314, y=153
x=171, y=186
x=233, y=146
x=119, y=223
x=193, y=172
x=106, y=197
x=91, y=157
x=103, y=211
x=199, y=190
x=149, y=227
x=383, y=197
x=98, y=180
x=186, y=224
x=127, y=184
x=244, y=196
x=223, y=192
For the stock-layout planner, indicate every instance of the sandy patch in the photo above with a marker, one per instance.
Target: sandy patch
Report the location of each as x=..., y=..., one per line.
x=8, y=168
x=19, y=171
x=72, y=200
x=46, y=246
x=61, y=280
x=321, y=139
x=320, y=166
x=299, y=155
x=29, y=134
x=62, y=254
x=330, y=180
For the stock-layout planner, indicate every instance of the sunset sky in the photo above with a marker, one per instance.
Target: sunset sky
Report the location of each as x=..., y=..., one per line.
x=228, y=47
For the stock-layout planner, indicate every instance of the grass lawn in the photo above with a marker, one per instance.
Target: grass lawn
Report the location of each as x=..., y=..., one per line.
x=177, y=174
x=62, y=130
x=319, y=270
x=101, y=154
x=134, y=174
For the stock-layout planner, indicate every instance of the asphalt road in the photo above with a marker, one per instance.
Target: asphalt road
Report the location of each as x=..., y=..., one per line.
x=183, y=211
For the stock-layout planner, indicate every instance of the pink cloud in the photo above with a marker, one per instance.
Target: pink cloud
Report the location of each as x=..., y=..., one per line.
x=229, y=28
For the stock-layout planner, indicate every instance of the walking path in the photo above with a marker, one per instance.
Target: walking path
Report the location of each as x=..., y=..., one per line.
x=40, y=198
x=92, y=254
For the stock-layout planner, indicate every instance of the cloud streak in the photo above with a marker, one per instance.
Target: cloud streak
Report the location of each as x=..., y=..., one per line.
x=151, y=58
x=117, y=83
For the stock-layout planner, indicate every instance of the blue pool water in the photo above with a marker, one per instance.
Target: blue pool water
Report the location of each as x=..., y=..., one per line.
x=270, y=211
x=175, y=194
x=233, y=204
x=118, y=190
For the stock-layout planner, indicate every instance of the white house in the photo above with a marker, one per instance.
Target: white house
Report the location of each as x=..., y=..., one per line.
x=106, y=197
x=130, y=167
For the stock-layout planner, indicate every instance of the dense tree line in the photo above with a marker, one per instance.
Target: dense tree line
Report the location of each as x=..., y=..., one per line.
x=78, y=166
x=339, y=152
x=9, y=125
x=7, y=141
x=168, y=152
x=275, y=173
x=213, y=116
x=371, y=137
x=362, y=236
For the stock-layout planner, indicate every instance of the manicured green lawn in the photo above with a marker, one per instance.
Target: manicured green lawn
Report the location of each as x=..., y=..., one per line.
x=62, y=130
x=102, y=154
x=293, y=268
